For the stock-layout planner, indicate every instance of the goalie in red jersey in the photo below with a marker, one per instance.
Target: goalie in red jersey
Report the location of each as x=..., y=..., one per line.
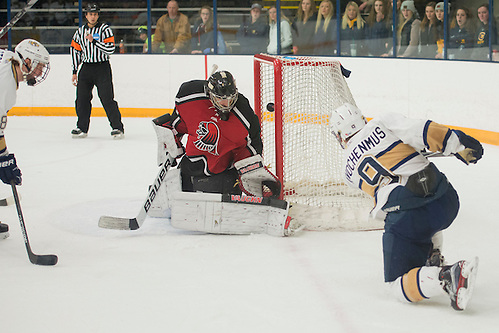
x=221, y=160
x=223, y=150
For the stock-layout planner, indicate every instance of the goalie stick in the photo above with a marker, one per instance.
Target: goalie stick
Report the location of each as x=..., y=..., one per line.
x=18, y=16
x=44, y=260
x=122, y=223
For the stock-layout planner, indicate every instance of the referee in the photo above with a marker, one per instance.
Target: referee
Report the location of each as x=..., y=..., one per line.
x=91, y=46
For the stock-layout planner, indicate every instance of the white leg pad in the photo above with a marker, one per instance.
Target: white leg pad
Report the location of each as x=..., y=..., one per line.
x=171, y=183
x=229, y=214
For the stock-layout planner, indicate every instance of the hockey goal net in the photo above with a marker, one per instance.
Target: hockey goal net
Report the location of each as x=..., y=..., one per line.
x=293, y=98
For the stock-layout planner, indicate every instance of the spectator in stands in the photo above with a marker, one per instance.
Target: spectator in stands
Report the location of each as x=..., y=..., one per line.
x=304, y=28
x=253, y=35
x=379, y=28
x=142, y=32
x=353, y=32
x=286, y=36
x=325, y=38
x=429, y=32
x=203, y=34
x=365, y=6
x=408, y=31
x=461, y=34
x=174, y=30
x=484, y=35
x=439, y=14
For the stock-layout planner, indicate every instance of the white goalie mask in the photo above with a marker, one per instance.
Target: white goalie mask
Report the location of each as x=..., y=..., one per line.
x=34, y=59
x=346, y=121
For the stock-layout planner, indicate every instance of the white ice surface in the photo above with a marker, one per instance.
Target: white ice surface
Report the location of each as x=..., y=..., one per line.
x=158, y=279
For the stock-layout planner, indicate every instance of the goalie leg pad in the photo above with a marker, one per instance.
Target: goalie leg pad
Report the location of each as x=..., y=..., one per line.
x=160, y=206
x=229, y=214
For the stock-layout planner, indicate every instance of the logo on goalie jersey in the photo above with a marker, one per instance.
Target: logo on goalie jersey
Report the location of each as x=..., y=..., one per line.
x=208, y=136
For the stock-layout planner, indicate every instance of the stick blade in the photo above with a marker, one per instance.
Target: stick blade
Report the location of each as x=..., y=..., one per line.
x=118, y=223
x=44, y=260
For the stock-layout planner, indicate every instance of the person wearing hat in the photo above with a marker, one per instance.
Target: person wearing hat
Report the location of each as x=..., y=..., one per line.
x=408, y=31
x=142, y=32
x=91, y=46
x=253, y=34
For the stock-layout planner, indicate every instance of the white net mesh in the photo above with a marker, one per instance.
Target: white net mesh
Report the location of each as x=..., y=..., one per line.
x=309, y=154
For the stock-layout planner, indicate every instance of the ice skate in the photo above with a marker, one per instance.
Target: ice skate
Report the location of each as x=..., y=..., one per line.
x=458, y=281
x=78, y=134
x=117, y=134
x=4, y=230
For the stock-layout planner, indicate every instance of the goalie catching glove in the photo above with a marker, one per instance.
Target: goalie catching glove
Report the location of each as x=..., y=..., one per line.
x=255, y=179
x=473, y=151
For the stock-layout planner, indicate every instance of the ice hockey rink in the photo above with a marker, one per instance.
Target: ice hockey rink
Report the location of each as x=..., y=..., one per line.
x=158, y=279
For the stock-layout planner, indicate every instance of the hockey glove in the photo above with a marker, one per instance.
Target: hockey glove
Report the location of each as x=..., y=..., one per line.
x=9, y=170
x=255, y=179
x=168, y=145
x=473, y=151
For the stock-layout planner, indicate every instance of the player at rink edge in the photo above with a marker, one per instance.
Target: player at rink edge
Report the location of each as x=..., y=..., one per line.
x=30, y=62
x=383, y=158
x=222, y=156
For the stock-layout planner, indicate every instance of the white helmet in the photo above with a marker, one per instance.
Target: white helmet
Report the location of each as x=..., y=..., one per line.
x=39, y=65
x=346, y=121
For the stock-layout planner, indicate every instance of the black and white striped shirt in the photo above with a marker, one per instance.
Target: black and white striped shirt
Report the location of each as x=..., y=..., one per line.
x=83, y=51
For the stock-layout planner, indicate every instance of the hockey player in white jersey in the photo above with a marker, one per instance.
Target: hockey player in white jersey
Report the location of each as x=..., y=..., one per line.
x=383, y=158
x=30, y=62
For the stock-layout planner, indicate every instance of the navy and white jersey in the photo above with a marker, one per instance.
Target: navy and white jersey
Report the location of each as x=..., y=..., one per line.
x=83, y=51
x=385, y=153
x=8, y=92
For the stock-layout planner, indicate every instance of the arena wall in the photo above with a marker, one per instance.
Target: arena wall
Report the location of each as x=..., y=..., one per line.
x=456, y=93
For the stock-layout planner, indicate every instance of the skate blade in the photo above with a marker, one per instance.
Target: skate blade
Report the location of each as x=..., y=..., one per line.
x=468, y=278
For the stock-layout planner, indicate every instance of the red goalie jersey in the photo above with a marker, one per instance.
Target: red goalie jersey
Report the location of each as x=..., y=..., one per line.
x=213, y=144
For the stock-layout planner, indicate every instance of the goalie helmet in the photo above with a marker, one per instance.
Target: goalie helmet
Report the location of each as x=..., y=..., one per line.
x=346, y=121
x=221, y=88
x=34, y=59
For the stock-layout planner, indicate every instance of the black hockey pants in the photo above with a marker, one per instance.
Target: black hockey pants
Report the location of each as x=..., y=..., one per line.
x=99, y=75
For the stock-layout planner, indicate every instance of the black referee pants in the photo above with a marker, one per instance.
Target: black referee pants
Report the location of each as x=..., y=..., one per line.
x=99, y=75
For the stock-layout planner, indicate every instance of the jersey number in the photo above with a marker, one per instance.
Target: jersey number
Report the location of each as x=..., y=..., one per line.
x=380, y=176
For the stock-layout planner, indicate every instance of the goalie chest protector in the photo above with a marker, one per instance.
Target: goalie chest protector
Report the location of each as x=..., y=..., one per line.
x=215, y=142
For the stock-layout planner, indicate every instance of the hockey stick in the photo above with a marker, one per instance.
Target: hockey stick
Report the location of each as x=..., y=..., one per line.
x=17, y=17
x=122, y=223
x=44, y=260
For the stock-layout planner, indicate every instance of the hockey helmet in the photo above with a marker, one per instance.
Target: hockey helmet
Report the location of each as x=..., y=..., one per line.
x=346, y=121
x=92, y=8
x=142, y=29
x=38, y=66
x=221, y=88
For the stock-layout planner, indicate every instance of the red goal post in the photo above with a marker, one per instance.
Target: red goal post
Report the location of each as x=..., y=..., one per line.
x=293, y=98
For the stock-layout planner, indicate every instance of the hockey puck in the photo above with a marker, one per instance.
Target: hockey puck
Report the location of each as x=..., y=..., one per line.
x=270, y=107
